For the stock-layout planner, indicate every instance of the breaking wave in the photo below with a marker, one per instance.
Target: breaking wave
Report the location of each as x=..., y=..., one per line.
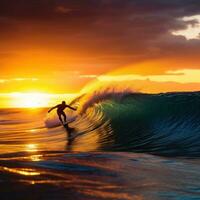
x=163, y=124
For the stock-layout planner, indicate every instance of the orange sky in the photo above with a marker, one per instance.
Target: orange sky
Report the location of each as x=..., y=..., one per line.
x=60, y=46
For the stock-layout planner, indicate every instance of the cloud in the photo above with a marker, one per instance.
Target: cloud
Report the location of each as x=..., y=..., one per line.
x=98, y=36
x=193, y=29
x=179, y=76
x=18, y=80
x=63, y=10
x=92, y=76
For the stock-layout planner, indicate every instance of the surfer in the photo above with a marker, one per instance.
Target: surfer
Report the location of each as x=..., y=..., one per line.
x=60, y=110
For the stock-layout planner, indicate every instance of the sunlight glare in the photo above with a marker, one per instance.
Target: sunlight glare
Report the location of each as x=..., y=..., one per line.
x=30, y=100
x=31, y=147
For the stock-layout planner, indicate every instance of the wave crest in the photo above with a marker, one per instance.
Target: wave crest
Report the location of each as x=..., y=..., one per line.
x=164, y=124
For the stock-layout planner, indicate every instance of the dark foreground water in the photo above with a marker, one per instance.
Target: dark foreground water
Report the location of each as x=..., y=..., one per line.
x=124, y=146
x=64, y=175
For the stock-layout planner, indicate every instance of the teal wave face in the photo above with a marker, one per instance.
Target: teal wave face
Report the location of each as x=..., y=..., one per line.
x=163, y=124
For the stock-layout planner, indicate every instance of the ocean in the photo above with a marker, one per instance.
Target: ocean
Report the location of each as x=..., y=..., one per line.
x=125, y=145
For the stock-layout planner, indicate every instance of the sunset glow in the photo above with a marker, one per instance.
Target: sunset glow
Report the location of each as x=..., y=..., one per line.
x=31, y=148
x=67, y=46
x=30, y=100
x=99, y=99
x=179, y=76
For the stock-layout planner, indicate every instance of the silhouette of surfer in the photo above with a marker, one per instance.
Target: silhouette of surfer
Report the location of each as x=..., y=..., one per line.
x=60, y=111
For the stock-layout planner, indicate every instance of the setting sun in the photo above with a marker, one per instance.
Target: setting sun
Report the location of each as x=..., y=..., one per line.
x=33, y=99
x=30, y=100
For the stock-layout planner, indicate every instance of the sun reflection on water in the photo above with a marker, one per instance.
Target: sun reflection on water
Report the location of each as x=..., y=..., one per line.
x=36, y=158
x=22, y=171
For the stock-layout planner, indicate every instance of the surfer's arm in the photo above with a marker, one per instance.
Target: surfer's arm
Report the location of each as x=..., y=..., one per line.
x=71, y=107
x=52, y=109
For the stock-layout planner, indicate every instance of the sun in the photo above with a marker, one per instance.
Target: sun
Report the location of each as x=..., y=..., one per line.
x=30, y=100
x=31, y=147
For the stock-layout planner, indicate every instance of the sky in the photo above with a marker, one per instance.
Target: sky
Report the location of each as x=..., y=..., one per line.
x=59, y=46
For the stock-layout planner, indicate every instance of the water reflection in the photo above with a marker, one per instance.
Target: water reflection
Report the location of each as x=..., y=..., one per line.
x=21, y=171
x=36, y=158
x=20, y=132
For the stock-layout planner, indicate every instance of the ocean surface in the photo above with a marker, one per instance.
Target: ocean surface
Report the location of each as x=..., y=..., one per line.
x=123, y=145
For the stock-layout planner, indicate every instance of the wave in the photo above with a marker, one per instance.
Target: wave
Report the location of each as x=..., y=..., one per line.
x=165, y=124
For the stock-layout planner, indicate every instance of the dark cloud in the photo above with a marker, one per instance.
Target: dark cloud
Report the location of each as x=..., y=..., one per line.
x=110, y=31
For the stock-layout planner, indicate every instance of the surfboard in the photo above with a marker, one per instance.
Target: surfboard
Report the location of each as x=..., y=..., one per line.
x=75, y=135
x=72, y=132
x=55, y=122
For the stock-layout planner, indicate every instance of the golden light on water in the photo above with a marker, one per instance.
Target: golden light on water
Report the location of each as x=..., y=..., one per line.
x=21, y=171
x=36, y=158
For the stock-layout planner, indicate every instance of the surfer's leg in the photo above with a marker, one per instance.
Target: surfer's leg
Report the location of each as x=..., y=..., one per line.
x=65, y=118
x=60, y=118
